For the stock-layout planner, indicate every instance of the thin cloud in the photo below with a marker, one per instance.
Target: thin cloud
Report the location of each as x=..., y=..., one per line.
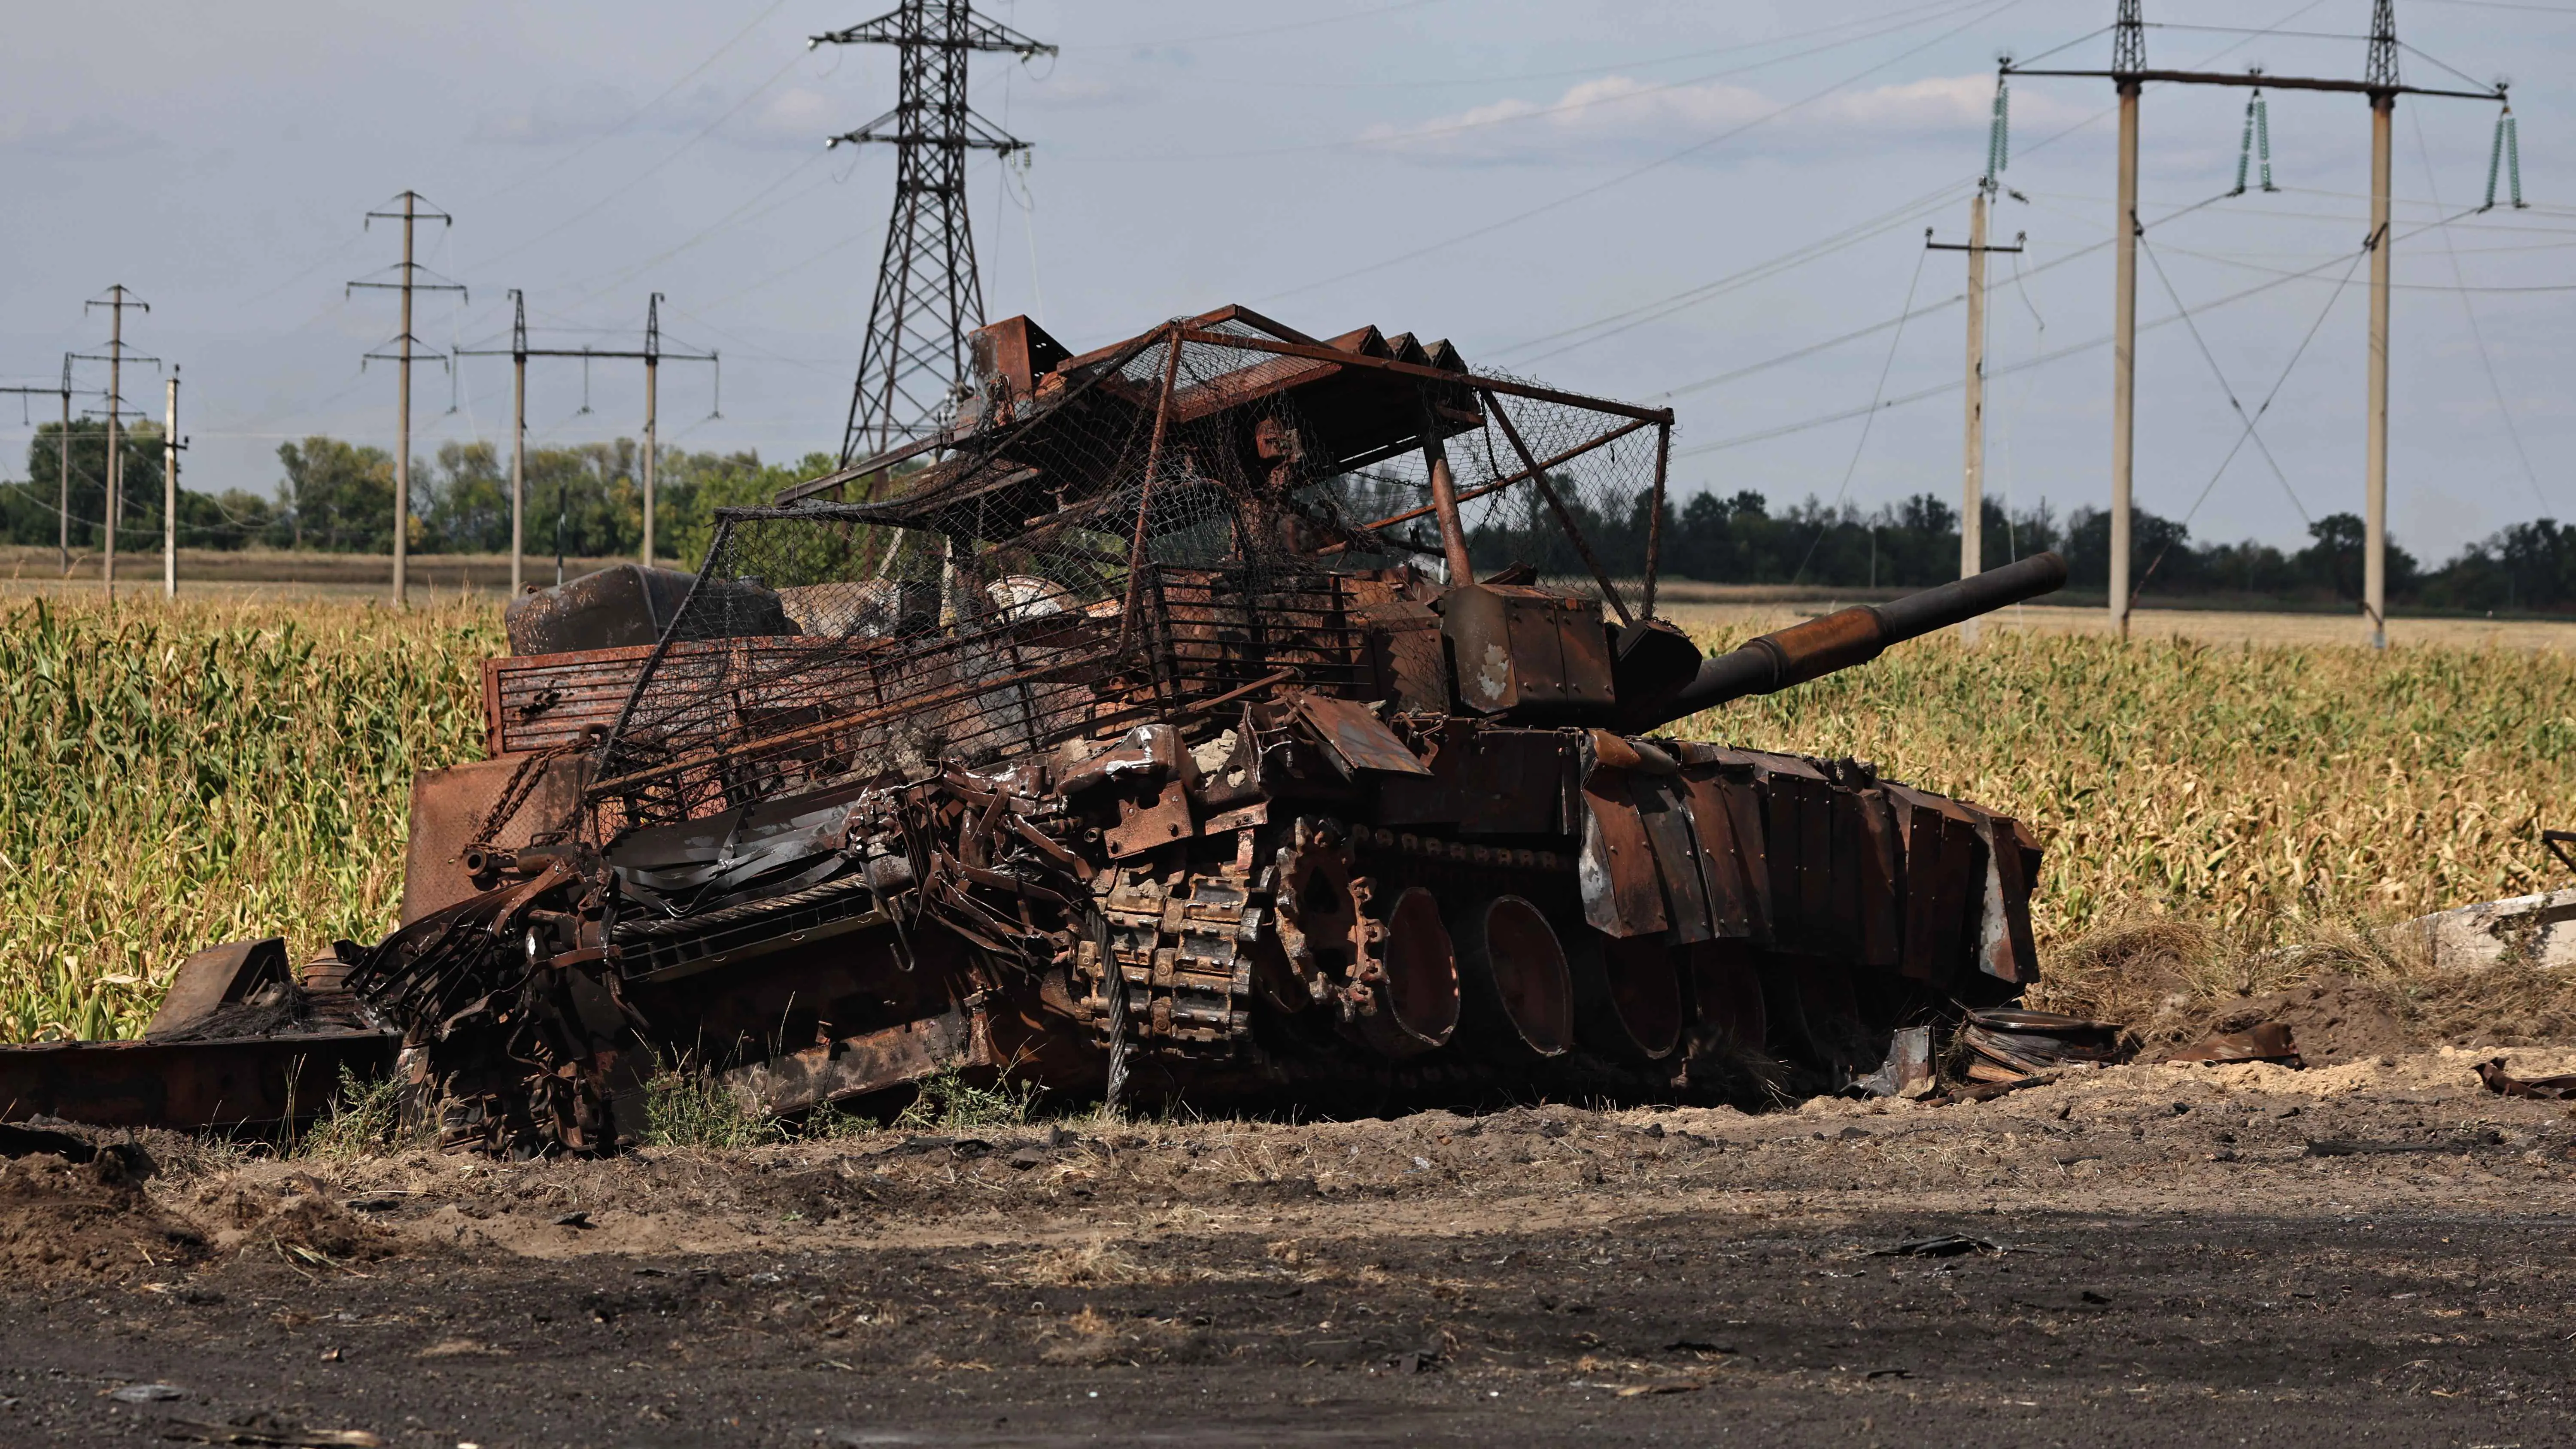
x=797, y=118
x=81, y=138
x=1619, y=113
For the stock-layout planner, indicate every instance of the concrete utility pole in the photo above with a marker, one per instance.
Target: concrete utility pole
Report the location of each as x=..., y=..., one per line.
x=519, y=439
x=170, y=491
x=652, y=356
x=2124, y=351
x=116, y=301
x=2381, y=85
x=414, y=210
x=63, y=458
x=1972, y=488
x=63, y=471
x=2381, y=71
x=652, y=374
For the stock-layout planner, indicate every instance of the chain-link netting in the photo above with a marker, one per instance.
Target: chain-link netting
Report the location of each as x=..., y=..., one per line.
x=1154, y=530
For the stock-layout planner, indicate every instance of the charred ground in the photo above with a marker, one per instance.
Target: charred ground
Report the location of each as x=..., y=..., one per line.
x=2176, y=1263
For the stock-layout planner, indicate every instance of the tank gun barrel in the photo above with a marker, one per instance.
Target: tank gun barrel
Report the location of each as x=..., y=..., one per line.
x=1857, y=635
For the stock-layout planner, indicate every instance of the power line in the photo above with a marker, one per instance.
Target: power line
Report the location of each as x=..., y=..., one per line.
x=2277, y=385
x=1937, y=197
x=1633, y=173
x=628, y=186
x=1379, y=12
x=549, y=168
x=2224, y=260
x=1628, y=63
x=619, y=278
x=1870, y=416
x=1617, y=323
x=2038, y=360
x=1568, y=107
x=1881, y=326
x=2217, y=372
x=2476, y=334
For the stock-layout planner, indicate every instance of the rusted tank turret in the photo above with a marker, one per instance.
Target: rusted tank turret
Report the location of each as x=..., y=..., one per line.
x=1153, y=732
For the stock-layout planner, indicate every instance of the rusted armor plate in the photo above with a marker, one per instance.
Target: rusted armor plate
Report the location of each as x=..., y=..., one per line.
x=1616, y=871
x=236, y=1082
x=1141, y=828
x=1723, y=869
x=1677, y=855
x=1882, y=882
x=1355, y=736
x=2004, y=949
x=856, y=1065
x=214, y=978
x=1515, y=782
x=448, y=808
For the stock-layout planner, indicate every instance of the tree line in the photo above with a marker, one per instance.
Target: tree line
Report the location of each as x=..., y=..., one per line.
x=1737, y=538
x=337, y=496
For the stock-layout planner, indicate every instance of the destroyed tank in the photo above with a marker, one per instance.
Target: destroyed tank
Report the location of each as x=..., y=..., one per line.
x=1227, y=716
x=1150, y=734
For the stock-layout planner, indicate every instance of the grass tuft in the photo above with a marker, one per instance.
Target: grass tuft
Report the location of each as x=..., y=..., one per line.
x=363, y=1117
x=951, y=1101
x=685, y=1106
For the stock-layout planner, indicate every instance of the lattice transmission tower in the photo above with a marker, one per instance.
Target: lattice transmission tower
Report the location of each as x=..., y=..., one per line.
x=928, y=296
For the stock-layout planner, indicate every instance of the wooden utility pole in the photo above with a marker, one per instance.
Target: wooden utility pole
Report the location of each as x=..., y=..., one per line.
x=170, y=490
x=116, y=301
x=2380, y=84
x=652, y=355
x=1972, y=487
x=415, y=209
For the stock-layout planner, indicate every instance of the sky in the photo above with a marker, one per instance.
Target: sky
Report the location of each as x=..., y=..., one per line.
x=1722, y=207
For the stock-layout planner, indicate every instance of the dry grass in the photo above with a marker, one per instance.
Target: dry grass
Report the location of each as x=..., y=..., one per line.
x=1086, y=1265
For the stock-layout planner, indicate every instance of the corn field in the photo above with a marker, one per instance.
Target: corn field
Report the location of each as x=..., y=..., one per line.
x=2261, y=792
x=172, y=778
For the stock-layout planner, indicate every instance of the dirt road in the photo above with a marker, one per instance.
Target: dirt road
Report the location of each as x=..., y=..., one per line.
x=2369, y=1253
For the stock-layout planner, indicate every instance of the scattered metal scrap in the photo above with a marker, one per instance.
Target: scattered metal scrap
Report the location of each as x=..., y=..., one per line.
x=1940, y=1245
x=1127, y=738
x=2555, y=1089
x=2269, y=1041
x=2006, y=1045
x=238, y=1042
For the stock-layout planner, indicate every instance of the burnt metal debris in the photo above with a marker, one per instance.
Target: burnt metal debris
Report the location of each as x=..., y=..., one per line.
x=1149, y=733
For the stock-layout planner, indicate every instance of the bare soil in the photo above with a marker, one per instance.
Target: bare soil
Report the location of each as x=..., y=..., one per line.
x=2375, y=1251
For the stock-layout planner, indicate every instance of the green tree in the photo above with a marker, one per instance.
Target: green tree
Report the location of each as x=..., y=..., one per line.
x=696, y=485
x=337, y=497
x=468, y=505
x=27, y=511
